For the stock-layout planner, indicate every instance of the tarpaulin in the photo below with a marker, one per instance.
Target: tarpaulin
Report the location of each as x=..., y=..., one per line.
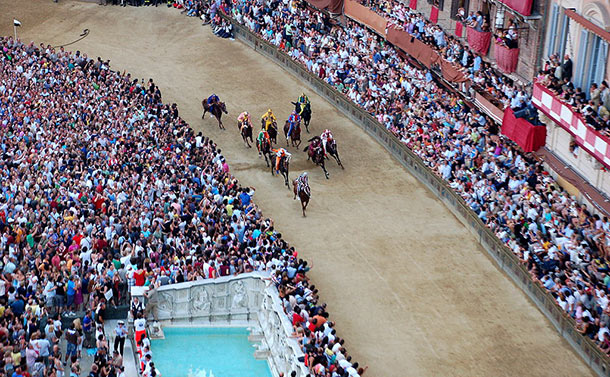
x=366, y=16
x=412, y=46
x=434, y=14
x=479, y=41
x=459, y=29
x=413, y=4
x=333, y=6
x=506, y=58
x=522, y=6
x=529, y=137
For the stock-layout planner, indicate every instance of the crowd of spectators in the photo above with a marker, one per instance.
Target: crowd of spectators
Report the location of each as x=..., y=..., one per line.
x=594, y=105
x=563, y=245
x=499, y=87
x=105, y=187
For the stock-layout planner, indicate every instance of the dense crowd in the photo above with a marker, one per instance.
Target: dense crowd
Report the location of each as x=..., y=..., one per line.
x=594, y=105
x=105, y=187
x=452, y=49
x=564, y=246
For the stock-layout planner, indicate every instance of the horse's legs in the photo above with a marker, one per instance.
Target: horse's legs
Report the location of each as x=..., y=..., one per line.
x=336, y=156
x=324, y=168
x=203, y=115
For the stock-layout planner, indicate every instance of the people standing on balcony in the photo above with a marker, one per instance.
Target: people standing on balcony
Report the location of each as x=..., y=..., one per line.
x=566, y=68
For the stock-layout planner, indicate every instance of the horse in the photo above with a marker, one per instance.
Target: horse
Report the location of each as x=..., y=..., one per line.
x=264, y=148
x=216, y=111
x=316, y=153
x=283, y=168
x=272, y=131
x=331, y=149
x=305, y=115
x=245, y=128
x=304, y=194
x=295, y=137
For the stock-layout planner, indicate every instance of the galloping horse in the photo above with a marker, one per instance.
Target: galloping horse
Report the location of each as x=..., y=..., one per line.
x=305, y=115
x=295, y=136
x=272, y=131
x=331, y=149
x=245, y=128
x=316, y=153
x=216, y=111
x=264, y=148
x=283, y=168
x=304, y=194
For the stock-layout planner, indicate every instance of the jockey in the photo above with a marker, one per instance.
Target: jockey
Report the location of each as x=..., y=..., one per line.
x=263, y=135
x=327, y=138
x=244, y=116
x=280, y=153
x=303, y=101
x=212, y=100
x=293, y=119
x=268, y=119
x=302, y=181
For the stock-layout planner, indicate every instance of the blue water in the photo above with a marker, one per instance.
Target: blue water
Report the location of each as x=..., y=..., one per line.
x=198, y=352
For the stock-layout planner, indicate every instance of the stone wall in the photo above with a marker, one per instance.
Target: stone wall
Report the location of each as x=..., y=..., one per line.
x=243, y=300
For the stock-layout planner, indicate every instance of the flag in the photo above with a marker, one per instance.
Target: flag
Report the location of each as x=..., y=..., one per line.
x=16, y=22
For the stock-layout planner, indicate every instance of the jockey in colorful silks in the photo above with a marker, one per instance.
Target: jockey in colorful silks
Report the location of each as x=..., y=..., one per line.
x=268, y=119
x=244, y=116
x=293, y=120
x=280, y=153
x=302, y=181
x=327, y=138
x=212, y=100
x=263, y=135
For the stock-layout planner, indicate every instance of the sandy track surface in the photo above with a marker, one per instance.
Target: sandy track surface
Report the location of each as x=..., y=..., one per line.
x=406, y=283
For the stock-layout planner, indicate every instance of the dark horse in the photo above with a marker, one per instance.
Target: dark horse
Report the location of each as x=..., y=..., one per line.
x=305, y=115
x=216, y=111
x=245, y=128
x=316, y=153
x=272, y=131
x=304, y=194
x=264, y=148
x=331, y=149
x=295, y=137
x=283, y=168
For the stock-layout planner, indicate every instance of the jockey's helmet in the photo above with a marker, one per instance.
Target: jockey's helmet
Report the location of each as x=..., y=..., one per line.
x=304, y=174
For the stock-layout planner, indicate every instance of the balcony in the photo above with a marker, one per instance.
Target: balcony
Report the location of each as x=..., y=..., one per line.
x=565, y=116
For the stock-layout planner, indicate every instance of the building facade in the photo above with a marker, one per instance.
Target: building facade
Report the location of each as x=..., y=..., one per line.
x=580, y=29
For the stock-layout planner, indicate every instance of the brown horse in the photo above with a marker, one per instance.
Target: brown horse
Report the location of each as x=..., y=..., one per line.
x=295, y=136
x=283, y=168
x=316, y=153
x=264, y=148
x=216, y=111
x=245, y=128
x=304, y=194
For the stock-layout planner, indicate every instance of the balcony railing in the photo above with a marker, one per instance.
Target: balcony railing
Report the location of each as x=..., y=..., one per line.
x=591, y=140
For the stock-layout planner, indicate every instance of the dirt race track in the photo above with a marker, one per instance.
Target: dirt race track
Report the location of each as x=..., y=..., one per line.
x=406, y=283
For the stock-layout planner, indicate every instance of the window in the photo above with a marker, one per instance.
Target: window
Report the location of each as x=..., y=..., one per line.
x=558, y=32
x=457, y=4
x=437, y=3
x=592, y=58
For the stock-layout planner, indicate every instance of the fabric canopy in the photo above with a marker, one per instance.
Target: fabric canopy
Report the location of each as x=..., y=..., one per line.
x=333, y=6
x=522, y=6
x=366, y=16
x=588, y=24
x=411, y=45
x=479, y=41
x=506, y=58
x=529, y=137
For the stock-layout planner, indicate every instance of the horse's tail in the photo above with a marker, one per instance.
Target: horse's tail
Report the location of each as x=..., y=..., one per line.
x=306, y=148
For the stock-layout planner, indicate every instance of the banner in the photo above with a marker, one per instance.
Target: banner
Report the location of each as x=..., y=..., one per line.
x=459, y=29
x=413, y=4
x=434, y=14
x=506, y=58
x=529, y=137
x=522, y=6
x=366, y=16
x=479, y=41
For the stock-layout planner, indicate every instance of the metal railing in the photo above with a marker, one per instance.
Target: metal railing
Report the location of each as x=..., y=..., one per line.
x=500, y=253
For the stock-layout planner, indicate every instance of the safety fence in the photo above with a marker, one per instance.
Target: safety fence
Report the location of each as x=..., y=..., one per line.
x=500, y=253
